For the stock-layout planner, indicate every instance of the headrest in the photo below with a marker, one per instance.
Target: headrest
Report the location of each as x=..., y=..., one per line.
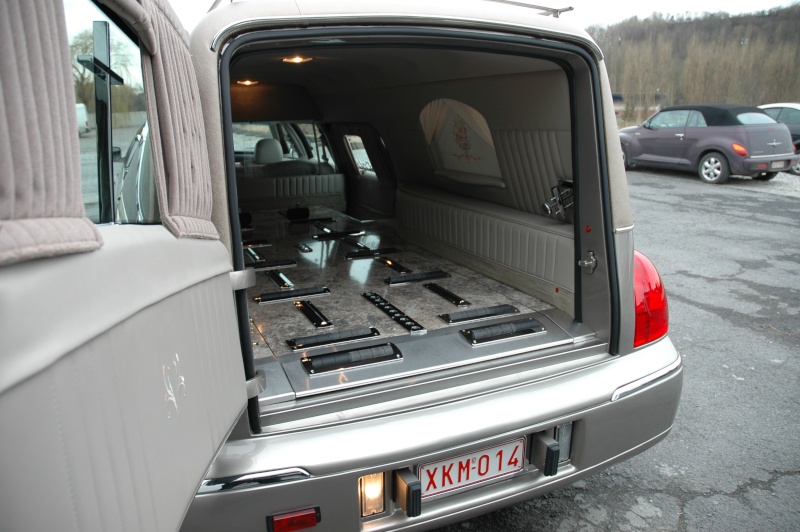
x=268, y=151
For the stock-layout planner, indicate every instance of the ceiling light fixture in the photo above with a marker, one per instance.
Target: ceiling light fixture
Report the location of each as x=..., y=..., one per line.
x=247, y=82
x=297, y=59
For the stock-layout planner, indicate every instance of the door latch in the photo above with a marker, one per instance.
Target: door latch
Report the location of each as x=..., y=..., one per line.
x=589, y=264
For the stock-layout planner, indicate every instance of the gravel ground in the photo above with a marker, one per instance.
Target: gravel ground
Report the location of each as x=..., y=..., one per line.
x=784, y=183
x=730, y=259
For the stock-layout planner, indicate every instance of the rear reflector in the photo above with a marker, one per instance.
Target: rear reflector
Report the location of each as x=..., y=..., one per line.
x=299, y=520
x=739, y=149
x=650, y=300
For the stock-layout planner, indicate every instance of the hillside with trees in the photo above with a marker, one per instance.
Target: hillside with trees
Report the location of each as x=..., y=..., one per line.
x=717, y=58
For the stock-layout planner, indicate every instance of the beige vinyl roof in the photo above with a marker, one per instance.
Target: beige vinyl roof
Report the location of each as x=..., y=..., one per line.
x=490, y=15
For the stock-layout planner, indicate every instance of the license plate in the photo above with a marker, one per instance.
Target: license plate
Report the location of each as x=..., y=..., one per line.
x=472, y=468
x=776, y=165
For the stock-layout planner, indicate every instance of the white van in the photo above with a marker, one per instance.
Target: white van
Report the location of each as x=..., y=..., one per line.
x=415, y=298
x=83, y=118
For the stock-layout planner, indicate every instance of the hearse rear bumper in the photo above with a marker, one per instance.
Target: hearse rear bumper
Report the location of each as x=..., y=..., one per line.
x=614, y=412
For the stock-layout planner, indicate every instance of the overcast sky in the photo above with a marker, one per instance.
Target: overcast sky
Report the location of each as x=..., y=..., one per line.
x=586, y=12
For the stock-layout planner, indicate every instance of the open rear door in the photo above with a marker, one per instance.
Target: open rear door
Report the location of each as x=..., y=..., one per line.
x=120, y=363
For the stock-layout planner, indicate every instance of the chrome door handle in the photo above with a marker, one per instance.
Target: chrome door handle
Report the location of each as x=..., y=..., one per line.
x=679, y=135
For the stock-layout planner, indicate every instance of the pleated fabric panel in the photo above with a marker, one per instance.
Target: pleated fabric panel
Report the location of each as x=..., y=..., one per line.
x=533, y=161
x=538, y=247
x=41, y=206
x=173, y=97
x=178, y=139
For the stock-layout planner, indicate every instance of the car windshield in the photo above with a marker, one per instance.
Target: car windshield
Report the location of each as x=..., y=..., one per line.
x=754, y=118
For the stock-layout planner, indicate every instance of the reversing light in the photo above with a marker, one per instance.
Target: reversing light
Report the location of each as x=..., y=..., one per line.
x=370, y=491
x=739, y=149
x=650, y=300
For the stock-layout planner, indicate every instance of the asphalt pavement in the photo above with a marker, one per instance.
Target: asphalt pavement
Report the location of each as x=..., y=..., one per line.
x=729, y=256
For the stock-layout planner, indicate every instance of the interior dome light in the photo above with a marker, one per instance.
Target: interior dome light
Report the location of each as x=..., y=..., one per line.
x=297, y=59
x=247, y=82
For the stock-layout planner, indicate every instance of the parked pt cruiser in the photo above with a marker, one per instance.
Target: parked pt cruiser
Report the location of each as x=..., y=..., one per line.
x=716, y=141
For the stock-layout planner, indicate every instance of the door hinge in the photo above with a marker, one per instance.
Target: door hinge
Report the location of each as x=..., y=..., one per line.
x=589, y=264
x=257, y=384
x=243, y=279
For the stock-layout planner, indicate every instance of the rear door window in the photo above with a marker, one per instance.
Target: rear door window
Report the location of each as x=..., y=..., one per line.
x=750, y=119
x=790, y=115
x=696, y=119
x=359, y=155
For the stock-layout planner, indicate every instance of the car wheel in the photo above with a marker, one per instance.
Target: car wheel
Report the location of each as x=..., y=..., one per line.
x=766, y=176
x=713, y=168
x=796, y=168
x=625, y=159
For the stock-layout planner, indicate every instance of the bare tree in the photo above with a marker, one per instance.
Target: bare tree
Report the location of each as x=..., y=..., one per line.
x=717, y=58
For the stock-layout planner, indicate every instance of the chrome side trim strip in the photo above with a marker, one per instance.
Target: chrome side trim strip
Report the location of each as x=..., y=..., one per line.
x=787, y=154
x=624, y=229
x=633, y=387
x=213, y=485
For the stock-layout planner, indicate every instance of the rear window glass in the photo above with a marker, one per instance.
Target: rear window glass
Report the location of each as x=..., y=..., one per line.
x=754, y=118
x=246, y=134
x=790, y=116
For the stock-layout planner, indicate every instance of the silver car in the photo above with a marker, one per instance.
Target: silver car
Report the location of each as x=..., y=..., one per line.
x=789, y=114
x=390, y=284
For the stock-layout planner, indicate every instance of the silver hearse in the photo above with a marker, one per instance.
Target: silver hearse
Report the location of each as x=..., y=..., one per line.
x=363, y=266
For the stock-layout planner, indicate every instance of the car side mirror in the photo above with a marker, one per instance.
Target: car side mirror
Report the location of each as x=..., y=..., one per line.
x=116, y=154
x=647, y=125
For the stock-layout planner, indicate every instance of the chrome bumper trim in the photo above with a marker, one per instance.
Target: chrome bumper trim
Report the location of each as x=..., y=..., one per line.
x=633, y=387
x=213, y=485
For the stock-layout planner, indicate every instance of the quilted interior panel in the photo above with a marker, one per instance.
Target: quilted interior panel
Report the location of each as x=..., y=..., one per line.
x=529, y=244
x=283, y=192
x=182, y=170
x=41, y=207
x=532, y=162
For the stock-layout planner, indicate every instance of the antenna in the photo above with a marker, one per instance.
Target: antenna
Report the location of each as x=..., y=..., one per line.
x=554, y=12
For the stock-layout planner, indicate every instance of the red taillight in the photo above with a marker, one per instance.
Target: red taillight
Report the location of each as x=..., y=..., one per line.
x=650, y=300
x=292, y=521
x=739, y=149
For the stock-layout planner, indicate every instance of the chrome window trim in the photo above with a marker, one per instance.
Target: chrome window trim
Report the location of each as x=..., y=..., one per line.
x=786, y=154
